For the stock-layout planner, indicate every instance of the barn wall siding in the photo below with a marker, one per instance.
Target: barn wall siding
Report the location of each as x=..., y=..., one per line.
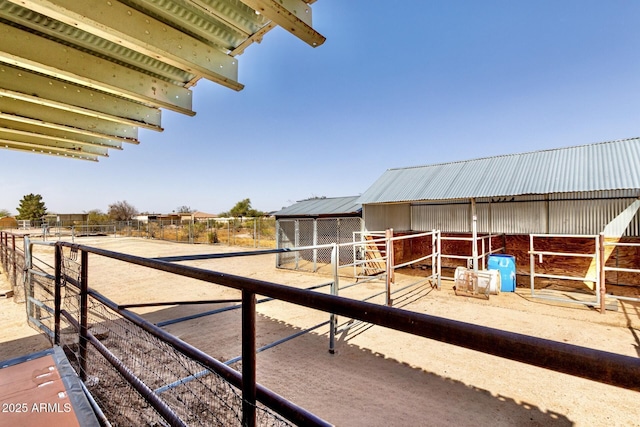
x=569, y=214
x=381, y=217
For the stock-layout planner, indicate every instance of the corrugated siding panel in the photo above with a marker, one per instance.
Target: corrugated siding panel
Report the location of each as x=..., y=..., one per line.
x=381, y=217
x=453, y=218
x=518, y=217
x=588, y=216
x=569, y=213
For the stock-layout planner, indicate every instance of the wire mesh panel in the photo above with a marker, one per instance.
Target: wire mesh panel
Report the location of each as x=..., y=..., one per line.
x=13, y=265
x=285, y=238
x=346, y=228
x=170, y=376
x=327, y=233
x=306, y=237
x=312, y=232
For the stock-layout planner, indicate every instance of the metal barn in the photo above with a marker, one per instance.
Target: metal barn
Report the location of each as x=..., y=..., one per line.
x=556, y=199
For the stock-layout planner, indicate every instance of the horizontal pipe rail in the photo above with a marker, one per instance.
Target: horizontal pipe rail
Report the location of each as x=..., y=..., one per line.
x=161, y=304
x=610, y=368
x=567, y=254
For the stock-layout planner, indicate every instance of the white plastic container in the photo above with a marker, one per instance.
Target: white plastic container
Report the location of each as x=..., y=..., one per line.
x=487, y=282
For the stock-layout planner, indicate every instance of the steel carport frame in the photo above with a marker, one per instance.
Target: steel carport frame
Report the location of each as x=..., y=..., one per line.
x=78, y=78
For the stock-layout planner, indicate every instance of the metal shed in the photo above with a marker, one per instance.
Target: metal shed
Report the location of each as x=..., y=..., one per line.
x=574, y=191
x=316, y=221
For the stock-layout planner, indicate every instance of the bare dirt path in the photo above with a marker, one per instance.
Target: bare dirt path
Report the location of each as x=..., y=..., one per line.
x=377, y=377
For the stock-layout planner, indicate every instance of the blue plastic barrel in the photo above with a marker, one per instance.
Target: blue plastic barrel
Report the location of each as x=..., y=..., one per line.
x=506, y=265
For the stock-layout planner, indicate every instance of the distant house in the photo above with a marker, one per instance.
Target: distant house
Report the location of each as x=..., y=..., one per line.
x=197, y=216
x=156, y=217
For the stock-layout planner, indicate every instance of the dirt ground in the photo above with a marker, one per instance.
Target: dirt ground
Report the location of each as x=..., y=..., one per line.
x=377, y=377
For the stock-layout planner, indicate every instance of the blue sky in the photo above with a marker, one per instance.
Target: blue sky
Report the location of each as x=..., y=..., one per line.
x=395, y=84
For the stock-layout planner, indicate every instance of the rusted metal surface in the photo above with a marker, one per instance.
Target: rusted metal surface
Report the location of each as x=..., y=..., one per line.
x=41, y=389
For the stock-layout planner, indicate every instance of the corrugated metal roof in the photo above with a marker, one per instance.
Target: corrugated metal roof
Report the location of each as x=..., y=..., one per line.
x=78, y=78
x=596, y=167
x=323, y=207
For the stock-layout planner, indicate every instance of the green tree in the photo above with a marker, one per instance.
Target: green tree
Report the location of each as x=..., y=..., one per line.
x=4, y=212
x=243, y=209
x=184, y=209
x=96, y=216
x=31, y=207
x=121, y=211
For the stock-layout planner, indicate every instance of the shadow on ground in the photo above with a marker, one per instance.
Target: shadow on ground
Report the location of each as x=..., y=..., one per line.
x=354, y=386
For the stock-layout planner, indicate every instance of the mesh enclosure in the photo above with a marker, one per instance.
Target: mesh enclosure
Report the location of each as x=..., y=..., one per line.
x=293, y=233
x=194, y=394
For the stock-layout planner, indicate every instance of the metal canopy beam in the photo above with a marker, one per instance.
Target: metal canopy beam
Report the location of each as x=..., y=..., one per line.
x=80, y=77
x=292, y=15
x=43, y=149
x=35, y=111
x=50, y=141
x=35, y=53
x=126, y=26
x=76, y=97
x=10, y=122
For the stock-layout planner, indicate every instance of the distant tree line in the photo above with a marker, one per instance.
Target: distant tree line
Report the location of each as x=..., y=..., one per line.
x=32, y=207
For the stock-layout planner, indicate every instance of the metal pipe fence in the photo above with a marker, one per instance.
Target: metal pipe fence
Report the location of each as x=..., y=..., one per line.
x=592, y=276
x=97, y=335
x=486, y=249
x=12, y=260
x=606, y=268
x=615, y=369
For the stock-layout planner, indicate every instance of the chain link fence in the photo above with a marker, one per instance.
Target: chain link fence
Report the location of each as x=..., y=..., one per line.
x=292, y=233
x=13, y=264
x=119, y=350
x=246, y=232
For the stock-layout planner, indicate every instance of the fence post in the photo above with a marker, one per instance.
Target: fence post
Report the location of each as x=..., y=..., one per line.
x=315, y=242
x=389, y=243
x=26, y=278
x=435, y=257
x=248, y=359
x=57, y=293
x=334, y=291
x=84, y=312
x=15, y=263
x=601, y=273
